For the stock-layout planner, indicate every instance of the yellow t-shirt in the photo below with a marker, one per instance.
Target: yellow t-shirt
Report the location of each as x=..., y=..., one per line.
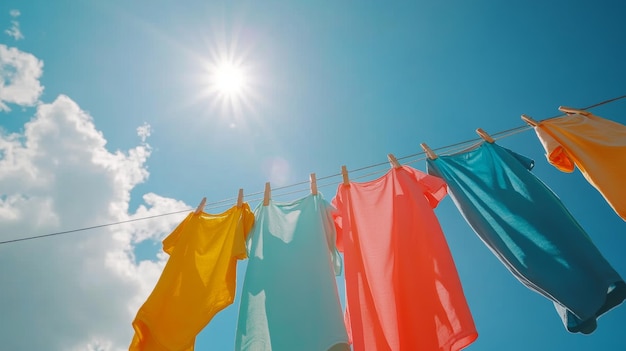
x=197, y=282
x=596, y=146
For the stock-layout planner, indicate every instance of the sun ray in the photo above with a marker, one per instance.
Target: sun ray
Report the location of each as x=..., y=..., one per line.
x=228, y=83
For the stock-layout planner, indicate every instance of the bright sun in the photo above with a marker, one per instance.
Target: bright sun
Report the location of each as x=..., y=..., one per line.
x=229, y=84
x=228, y=79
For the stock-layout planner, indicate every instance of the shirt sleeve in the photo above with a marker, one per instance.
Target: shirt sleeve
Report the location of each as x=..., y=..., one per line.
x=169, y=243
x=331, y=236
x=246, y=222
x=528, y=163
x=435, y=188
x=555, y=152
x=338, y=220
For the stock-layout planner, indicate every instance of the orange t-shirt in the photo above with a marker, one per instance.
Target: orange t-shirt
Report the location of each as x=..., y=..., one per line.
x=402, y=288
x=197, y=282
x=596, y=146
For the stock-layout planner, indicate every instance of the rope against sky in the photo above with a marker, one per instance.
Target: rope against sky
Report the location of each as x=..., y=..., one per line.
x=221, y=203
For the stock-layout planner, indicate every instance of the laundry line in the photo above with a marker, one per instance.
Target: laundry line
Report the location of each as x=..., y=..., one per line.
x=443, y=150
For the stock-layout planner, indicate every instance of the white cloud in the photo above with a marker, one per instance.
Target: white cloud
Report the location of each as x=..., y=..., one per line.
x=144, y=131
x=19, y=78
x=14, y=31
x=78, y=291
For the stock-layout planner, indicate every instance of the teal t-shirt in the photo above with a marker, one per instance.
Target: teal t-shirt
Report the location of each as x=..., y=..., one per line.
x=289, y=299
x=529, y=229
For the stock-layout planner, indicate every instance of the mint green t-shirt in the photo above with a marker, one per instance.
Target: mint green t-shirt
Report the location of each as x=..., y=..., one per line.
x=289, y=299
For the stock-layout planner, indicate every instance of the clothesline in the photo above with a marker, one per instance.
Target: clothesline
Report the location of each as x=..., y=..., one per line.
x=448, y=149
x=293, y=251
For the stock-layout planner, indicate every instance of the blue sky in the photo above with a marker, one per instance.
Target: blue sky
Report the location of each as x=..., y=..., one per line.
x=328, y=83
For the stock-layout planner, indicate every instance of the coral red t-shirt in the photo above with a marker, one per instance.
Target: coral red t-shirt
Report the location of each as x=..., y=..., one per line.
x=402, y=288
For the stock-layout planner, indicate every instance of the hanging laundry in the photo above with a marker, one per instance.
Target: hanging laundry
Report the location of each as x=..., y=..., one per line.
x=289, y=299
x=197, y=282
x=594, y=144
x=403, y=290
x=527, y=227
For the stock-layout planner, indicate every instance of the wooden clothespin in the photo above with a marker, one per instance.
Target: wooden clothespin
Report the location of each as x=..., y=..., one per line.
x=200, y=207
x=344, y=173
x=485, y=135
x=429, y=152
x=394, y=162
x=267, y=195
x=240, y=198
x=571, y=110
x=529, y=120
x=313, y=184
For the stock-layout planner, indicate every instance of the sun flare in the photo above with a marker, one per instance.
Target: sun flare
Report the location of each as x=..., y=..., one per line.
x=228, y=79
x=229, y=83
